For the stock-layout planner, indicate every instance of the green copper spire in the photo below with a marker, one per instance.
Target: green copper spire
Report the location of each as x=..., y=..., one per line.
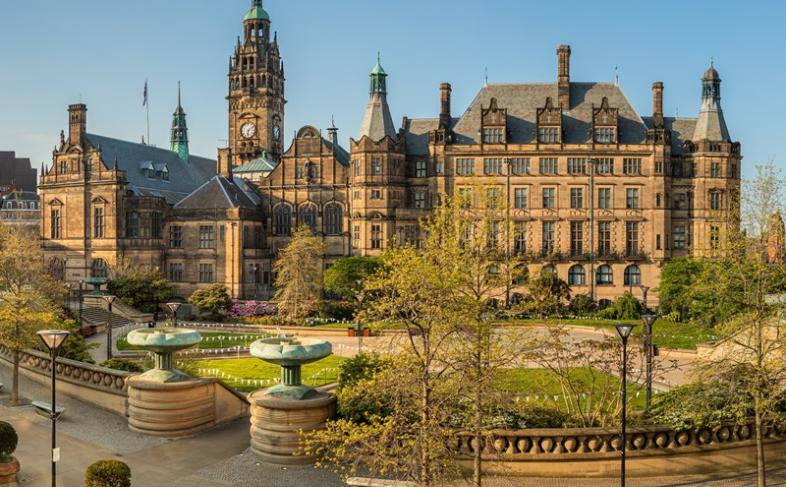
x=256, y=12
x=179, y=139
x=378, y=78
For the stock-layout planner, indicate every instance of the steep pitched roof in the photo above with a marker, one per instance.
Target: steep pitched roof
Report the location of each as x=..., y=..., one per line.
x=522, y=102
x=135, y=159
x=377, y=122
x=711, y=124
x=219, y=193
x=681, y=131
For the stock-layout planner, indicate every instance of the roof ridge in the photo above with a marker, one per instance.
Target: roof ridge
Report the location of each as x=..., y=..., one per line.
x=192, y=193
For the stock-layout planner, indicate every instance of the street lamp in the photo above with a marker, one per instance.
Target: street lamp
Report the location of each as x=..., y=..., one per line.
x=644, y=291
x=649, y=350
x=109, y=299
x=624, y=330
x=173, y=307
x=53, y=339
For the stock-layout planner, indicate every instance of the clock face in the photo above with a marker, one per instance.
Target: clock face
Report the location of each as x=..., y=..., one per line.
x=276, y=132
x=248, y=130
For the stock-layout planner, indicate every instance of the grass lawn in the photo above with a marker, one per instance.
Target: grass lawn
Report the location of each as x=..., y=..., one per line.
x=667, y=334
x=536, y=383
x=239, y=371
x=210, y=340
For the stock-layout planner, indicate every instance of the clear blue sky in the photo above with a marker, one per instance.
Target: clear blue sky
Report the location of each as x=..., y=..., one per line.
x=100, y=52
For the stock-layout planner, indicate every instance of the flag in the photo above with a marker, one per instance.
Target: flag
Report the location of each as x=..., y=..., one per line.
x=144, y=96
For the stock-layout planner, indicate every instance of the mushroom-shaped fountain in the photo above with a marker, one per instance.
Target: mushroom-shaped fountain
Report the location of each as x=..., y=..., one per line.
x=164, y=401
x=96, y=282
x=280, y=414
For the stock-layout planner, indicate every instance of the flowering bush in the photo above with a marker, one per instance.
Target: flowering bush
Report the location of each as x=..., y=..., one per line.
x=242, y=309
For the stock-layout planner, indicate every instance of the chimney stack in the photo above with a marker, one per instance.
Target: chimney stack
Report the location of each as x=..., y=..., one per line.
x=657, y=103
x=77, y=123
x=224, y=166
x=563, y=76
x=444, y=112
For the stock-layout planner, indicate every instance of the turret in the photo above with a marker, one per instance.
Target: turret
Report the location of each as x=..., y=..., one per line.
x=179, y=137
x=711, y=125
x=377, y=122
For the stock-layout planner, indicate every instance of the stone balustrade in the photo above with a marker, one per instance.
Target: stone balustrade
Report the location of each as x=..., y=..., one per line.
x=596, y=451
x=104, y=387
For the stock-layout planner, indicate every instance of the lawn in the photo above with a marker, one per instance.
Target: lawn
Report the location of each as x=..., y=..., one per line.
x=667, y=334
x=211, y=340
x=245, y=374
x=537, y=383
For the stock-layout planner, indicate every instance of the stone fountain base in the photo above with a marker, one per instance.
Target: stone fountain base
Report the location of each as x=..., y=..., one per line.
x=171, y=409
x=8, y=473
x=276, y=424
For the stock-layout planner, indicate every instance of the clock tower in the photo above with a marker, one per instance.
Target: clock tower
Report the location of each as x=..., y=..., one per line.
x=256, y=90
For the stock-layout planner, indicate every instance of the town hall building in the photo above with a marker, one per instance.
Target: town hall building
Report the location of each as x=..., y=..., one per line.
x=596, y=193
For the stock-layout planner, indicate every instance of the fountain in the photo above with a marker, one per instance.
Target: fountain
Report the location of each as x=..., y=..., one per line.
x=164, y=401
x=281, y=413
x=96, y=282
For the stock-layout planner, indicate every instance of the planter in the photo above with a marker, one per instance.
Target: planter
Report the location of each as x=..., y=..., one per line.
x=8, y=473
x=351, y=331
x=366, y=332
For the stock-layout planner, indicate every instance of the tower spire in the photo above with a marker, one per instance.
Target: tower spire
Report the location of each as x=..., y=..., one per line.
x=711, y=124
x=179, y=137
x=378, y=123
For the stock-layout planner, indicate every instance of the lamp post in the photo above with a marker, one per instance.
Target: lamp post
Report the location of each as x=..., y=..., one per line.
x=109, y=299
x=173, y=307
x=592, y=162
x=644, y=291
x=53, y=339
x=649, y=350
x=624, y=331
x=81, y=285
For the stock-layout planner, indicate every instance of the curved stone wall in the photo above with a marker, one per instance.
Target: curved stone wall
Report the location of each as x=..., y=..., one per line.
x=587, y=452
x=172, y=410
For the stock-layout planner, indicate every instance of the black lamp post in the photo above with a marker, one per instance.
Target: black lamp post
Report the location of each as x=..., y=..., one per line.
x=53, y=339
x=81, y=284
x=649, y=350
x=624, y=330
x=644, y=291
x=109, y=299
x=173, y=307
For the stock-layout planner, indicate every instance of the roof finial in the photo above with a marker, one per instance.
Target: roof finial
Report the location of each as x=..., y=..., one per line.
x=486, y=76
x=256, y=3
x=712, y=61
x=616, y=75
x=379, y=57
x=178, y=93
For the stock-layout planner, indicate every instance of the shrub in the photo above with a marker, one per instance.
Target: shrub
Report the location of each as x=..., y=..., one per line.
x=143, y=290
x=627, y=307
x=362, y=366
x=213, y=299
x=122, y=364
x=581, y=304
x=108, y=473
x=337, y=310
x=8, y=441
x=341, y=278
x=244, y=309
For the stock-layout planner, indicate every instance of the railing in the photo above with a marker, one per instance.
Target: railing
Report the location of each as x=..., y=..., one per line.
x=537, y=445
x=72, y=371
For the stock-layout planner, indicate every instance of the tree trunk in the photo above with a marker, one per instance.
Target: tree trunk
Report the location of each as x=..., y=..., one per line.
x=760, y=468
x=477, y=463
x=425, y=418
x=15, y=380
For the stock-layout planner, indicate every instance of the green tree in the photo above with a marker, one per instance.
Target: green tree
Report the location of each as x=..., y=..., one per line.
x=675, y=290
x=627, y=307
x=26, y=292
x=341, y=279
x=299, y=275
x=144, y=289
x=549, y=293
x=214, y=299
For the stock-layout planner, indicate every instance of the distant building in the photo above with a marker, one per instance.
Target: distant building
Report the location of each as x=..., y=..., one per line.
x=597, y=193
x=16, y=173
x=21, y=209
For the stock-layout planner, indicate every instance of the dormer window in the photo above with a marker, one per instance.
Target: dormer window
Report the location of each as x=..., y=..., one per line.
x=605, y=135
x=549, y=123
x=605, y=123
x=165, y=174
x=548, y=135
x=493, y=136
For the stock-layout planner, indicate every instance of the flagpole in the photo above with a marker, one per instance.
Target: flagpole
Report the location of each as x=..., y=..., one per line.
x=147, y=107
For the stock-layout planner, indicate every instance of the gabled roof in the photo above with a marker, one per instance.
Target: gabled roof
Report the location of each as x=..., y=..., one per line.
x=263, y=163
x=135, y=159
x=218, y=193
x=522, y=102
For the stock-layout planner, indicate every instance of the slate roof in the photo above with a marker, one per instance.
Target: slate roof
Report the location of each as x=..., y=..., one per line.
x=711, y=125
x=342, y=155
x=417, y=134
x=134, y=158
x=263, y=163
x=218, y=193
x=522, y=102
x=20, y=196
x=377, y=122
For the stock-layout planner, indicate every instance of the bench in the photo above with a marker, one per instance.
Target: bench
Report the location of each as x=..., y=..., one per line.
x=366, y=482
x=45, y=409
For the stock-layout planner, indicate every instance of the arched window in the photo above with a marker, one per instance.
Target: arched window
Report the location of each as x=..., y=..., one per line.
x=632, y=275
x=549, y=269
x=99, y=268
x=308, y=216
x=520, y=275
x=57, y=268
x=576, y=276
x=334, y=219
x=605, y=275
x=282, y=220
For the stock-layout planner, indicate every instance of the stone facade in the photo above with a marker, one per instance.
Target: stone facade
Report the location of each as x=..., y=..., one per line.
x=596, y=192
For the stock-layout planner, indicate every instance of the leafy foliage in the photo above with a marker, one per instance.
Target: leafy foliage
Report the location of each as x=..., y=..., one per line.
x=676, y=280
x=213, y=299
x=299, y=275
x=581, y=304
x=122, y=364
x=108, y=473
x=362, y=366
x=8, y=441
x=341, y=279
x=144, y=289
x=549, y=294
